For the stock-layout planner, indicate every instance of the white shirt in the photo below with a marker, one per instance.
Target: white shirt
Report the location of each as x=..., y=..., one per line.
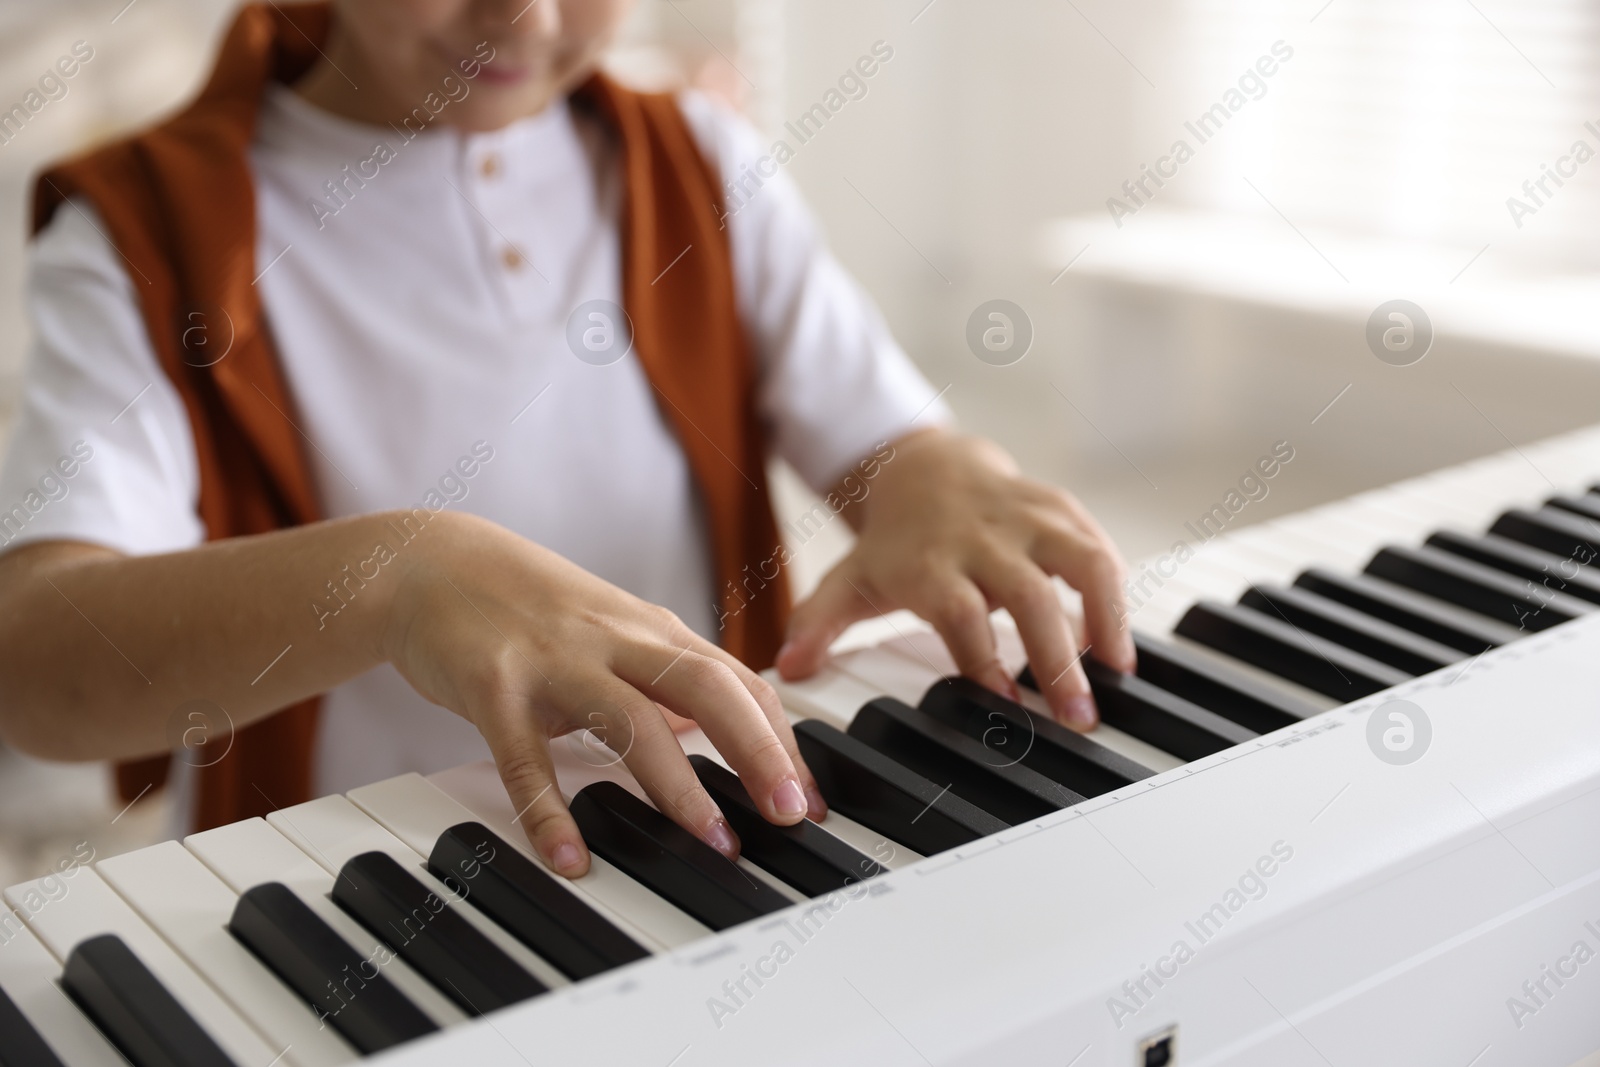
x=424, y=322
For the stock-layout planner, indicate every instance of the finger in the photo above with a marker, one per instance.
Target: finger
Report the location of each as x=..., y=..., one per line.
x=1090, y=564
x=707, y=690
x=960, y=613
x=818, y=620
x=652, y=753
x=772, y=707
x=678, y=723
x=523, y=760
x=1026, y=591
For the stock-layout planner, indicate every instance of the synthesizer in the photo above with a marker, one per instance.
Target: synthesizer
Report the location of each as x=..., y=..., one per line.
x=1347, y=811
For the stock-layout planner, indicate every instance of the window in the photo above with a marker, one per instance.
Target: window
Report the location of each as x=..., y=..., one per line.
x=1414, y=119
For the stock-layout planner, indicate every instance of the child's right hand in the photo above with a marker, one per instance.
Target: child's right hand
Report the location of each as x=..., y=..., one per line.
x=528, y=646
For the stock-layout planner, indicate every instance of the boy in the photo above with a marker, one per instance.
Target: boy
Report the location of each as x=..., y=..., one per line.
x=336, y=361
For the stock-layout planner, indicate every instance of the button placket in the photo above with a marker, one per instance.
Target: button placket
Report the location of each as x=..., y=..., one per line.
x=483, y=170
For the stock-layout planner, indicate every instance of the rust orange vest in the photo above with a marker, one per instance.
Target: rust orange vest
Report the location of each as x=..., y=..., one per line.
x=178, y=204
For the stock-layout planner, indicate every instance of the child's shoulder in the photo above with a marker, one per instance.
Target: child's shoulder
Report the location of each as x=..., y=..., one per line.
x=722, y=133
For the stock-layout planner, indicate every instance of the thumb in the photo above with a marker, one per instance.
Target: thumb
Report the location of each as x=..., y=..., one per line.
x=818, y=620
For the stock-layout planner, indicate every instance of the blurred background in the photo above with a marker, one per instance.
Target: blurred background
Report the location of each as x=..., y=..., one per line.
x=1179, y=329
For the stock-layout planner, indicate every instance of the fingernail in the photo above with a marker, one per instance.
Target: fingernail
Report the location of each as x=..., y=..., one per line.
x=566, y=857
x=784, y=651
x=789, y=798
x=1081, y=711
x=720, y=836
x=816, y=807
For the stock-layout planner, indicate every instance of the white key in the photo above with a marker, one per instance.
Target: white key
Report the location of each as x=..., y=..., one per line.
x=1573, y=462
x=477, y=787
x=28, y=974
x=1248, y=565
x=1161, y=613
x=1156, y=617
x=1314, y=546
x=1362, y=538
x=1460, y=486
x=1212, y=580
x=869, y=633
x=1509, y=477
x=1283, y=555
x=1420, y=495
x=189, y=906
x=906, y=677
x=1405, y=527
x=1405, y=507
x=90, y=907
x=928, y=648
x=333, y=831
x=248, y=853
x=417, y=812
x=831, y=695
x=889, y=853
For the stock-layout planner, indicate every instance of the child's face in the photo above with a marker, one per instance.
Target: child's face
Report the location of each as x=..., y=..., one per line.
x=536, y=51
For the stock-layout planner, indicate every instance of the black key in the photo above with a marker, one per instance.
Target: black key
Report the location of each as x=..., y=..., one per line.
x=429, y=934
x=804, y=855
x=133, y=1010
x=1587, y=505
x=875, y=791
x=1435, y=619
x=1155, y=716
x=1476, y=587
x=1017, y=734
x=941, y=753
x=20, y=1043
x=1218, y=687
x=1145, y=711
x=669, y=860
x=316, y=963
x=520, y=896
x=1552, y=529
x=1277, y=647
x=1383, y=641
x=1524, y=561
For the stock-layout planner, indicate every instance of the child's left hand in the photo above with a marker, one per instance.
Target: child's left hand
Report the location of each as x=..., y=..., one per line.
x=951, y=530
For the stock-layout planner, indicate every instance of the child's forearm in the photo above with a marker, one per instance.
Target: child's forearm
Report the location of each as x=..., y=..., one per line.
x=100, y=651
x=101, y=656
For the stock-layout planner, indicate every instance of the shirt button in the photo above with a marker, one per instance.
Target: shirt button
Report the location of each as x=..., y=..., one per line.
x=511, y=258
x=489, y=166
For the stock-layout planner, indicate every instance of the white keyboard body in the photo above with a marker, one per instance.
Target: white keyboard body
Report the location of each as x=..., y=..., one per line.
x=1417, y=899
x=1292, y=900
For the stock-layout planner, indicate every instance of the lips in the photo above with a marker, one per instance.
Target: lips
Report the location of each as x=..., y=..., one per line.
x=503, y=74
x=496, y=72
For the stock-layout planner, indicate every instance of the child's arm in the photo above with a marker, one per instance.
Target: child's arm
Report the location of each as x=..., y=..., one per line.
x=98, y=650
x=950, y=529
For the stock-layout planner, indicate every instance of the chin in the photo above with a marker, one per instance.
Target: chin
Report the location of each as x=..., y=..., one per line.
x=479, y=115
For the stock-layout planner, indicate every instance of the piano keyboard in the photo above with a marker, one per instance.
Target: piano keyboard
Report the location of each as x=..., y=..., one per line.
x=389, y=918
